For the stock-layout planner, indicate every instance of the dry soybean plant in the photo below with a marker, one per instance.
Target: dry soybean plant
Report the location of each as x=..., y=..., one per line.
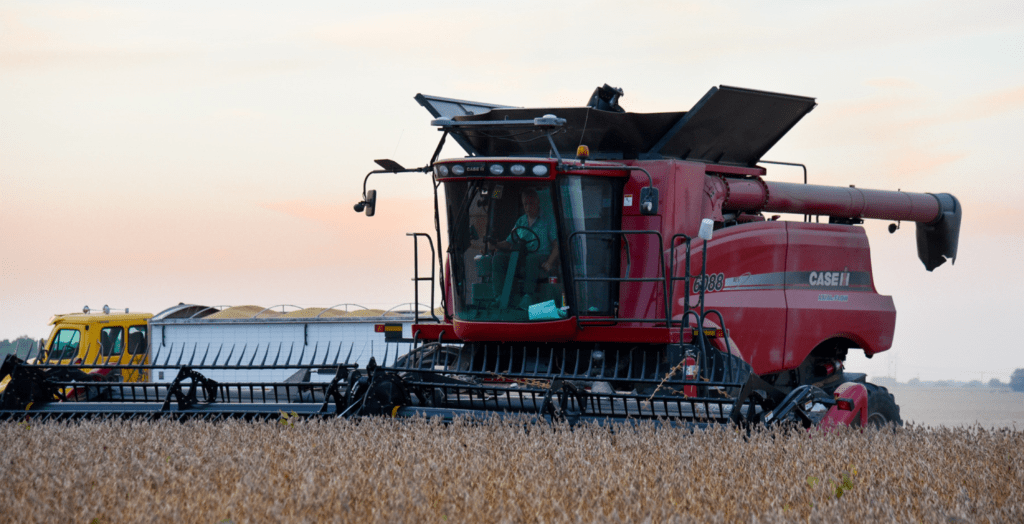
x=382, y=470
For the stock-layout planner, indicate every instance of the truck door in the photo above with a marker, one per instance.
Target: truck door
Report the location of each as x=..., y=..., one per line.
x=111, y=347
x=137, y=354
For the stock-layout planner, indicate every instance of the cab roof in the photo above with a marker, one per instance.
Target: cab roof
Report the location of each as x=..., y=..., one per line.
x=94, y=318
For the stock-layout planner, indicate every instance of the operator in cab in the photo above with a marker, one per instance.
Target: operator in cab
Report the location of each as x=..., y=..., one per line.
x=535, y=236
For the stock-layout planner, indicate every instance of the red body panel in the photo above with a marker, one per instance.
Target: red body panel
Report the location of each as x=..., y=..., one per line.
x=841, y=305
x=644, y=262
x=553, y=331
x=789, y=286
x=434, y=332
x=752, y=298
x=561, y=331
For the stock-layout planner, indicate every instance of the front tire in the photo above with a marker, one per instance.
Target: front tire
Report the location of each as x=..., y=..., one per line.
x=882, y=407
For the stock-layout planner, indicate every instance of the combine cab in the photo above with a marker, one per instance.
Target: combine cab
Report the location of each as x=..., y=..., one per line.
x=606, y=265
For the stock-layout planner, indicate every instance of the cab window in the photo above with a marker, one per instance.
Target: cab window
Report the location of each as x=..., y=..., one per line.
x=136, y=340
x=111, y=341
x=587, y=204
x=65, y=344
x=504, y=249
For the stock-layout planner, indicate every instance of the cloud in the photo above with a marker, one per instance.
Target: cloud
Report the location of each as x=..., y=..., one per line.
x=239, y=115
x=891, y=83
x=383, y=232
x=908, y=130
x=35, y=38
x=998, y=103
x=919, y=161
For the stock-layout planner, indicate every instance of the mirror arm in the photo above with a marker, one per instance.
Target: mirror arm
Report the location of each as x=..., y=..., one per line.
x=425, y=169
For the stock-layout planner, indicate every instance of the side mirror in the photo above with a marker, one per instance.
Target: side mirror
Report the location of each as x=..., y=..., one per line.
x=367, y=205
x=370, y=202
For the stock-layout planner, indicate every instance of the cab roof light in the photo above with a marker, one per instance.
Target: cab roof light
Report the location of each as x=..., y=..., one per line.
x=582, y=153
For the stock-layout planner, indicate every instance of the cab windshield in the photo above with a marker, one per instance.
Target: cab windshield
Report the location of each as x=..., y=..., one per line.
x=504, y=251
x=508, y=249
x=65, y=345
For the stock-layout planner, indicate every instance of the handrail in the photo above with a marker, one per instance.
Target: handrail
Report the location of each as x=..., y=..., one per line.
x=672, y=278
x=661, y=261
x=416, y=278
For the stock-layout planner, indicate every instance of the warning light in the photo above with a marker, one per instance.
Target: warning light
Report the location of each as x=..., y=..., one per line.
x=582, y=152
x=844, y=404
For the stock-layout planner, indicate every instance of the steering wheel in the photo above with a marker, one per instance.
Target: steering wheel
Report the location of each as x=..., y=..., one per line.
x=530, y=241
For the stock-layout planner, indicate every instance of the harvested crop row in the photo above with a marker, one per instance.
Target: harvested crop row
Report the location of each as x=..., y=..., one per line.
x=377, y=470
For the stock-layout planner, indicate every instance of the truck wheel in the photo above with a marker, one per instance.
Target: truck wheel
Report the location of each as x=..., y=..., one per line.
x=882, y=408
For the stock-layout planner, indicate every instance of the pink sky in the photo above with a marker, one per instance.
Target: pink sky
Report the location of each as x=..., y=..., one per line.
x=211, y=153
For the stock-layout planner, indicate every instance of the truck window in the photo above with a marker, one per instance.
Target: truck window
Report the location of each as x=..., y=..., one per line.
x=65, y=344
x=136, y=340
x=111, y=341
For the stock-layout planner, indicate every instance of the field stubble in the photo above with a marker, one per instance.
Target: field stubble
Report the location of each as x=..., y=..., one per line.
x=377, y=470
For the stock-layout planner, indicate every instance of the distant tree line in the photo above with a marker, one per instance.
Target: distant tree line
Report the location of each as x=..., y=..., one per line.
x=21, y=345
x=1017, y=380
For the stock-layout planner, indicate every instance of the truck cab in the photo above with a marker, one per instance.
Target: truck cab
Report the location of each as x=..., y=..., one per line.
x=98, y=339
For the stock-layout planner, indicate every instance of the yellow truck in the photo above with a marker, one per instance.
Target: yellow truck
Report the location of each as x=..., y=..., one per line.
x=88, y=341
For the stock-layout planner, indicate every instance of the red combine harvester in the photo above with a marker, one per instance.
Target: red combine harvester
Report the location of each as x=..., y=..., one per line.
x=601, y=265
x=572, y=274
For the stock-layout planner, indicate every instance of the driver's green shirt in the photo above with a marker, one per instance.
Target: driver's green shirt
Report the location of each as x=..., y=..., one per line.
x=543, y=226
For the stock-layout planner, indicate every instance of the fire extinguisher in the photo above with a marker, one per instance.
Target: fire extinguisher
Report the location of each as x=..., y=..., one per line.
x=690, y=371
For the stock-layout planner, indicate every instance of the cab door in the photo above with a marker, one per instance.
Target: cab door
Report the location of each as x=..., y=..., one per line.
x=112, y=350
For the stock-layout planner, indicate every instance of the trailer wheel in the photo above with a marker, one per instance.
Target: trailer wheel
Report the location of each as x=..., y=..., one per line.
x=882, y=407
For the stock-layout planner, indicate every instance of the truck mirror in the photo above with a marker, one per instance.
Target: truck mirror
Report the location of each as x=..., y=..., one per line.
x=370, y=202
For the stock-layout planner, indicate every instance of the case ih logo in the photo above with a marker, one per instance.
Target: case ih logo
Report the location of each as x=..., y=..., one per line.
x=830, y=278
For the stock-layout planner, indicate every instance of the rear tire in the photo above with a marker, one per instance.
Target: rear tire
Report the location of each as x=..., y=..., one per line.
x=882, y=407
